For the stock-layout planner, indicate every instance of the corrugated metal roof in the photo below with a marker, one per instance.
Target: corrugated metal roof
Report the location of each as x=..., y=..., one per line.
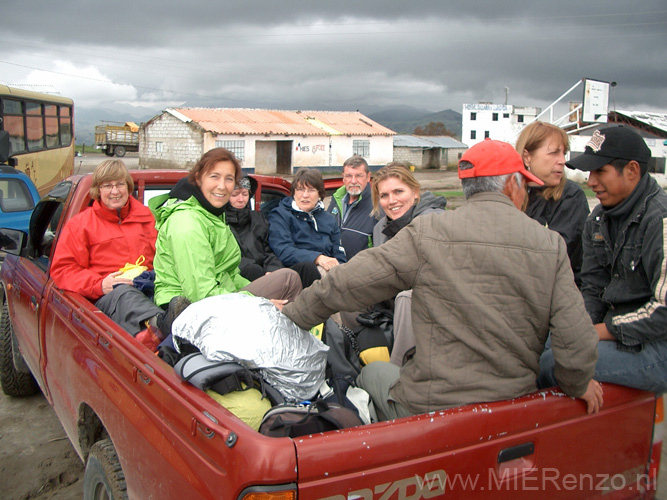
x=445, y=141
x=420, y=141
x=267, y=121
x=657, y=120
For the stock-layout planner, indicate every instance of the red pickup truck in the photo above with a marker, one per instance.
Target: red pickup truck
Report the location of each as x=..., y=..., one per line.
x=144, y=433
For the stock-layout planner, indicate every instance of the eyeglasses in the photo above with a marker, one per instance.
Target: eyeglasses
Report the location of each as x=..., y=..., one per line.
x=110, y=186
x=305, y=190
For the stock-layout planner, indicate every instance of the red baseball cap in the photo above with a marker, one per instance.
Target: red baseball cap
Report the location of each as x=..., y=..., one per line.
x=490, y=158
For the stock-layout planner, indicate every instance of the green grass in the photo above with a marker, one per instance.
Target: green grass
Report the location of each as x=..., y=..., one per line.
x=90, y=150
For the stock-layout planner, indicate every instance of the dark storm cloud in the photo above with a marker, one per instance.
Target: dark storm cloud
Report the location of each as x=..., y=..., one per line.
x=338, y=55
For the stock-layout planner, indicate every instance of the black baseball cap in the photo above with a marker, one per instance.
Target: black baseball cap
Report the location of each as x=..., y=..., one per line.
x=611, y=143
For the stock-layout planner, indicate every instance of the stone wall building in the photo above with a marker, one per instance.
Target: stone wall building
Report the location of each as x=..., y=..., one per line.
x=428, y=151
x=266, y=141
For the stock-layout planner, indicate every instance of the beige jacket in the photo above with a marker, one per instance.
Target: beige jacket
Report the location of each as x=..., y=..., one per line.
x=488, y=285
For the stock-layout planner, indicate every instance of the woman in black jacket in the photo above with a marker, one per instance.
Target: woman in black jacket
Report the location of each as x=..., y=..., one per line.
x=560, y=204
x=251, y=230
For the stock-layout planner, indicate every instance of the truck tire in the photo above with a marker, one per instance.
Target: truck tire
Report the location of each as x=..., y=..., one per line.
x=104, y=478
x=119, y=151
x=14, y=383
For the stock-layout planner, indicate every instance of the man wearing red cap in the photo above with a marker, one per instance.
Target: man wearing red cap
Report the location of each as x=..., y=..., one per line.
x=624, y=268
x=488, y=284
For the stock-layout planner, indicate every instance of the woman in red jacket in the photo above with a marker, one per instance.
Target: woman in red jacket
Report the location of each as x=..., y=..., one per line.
x=117, y=229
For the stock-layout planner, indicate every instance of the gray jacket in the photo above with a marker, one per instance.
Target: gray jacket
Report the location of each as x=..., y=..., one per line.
x=428, y=203
x=488, y=285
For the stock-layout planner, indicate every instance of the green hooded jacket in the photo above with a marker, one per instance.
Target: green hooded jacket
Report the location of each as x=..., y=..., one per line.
x=196, y=254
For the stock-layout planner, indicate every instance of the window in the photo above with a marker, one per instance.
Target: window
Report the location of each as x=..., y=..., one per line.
x=519, y=118
x=159, y=147
x=236, y=147
x=65, y=125
x=361, y=148
x=51, y=125
x=473, y=116
x=494, y=117
x=486, y=134
x=33, y=111
x=473, y=134
x=506, y=115
x=48, y=125
x=15, y=196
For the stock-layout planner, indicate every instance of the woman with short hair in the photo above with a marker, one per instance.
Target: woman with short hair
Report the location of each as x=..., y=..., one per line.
x=93, y=245
x=301, y=231
x=197, y=255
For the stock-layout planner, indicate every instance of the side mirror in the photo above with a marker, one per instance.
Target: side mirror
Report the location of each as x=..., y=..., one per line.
x=12, y=241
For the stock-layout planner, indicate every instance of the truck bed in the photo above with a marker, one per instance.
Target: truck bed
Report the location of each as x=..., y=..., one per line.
x=173, y=441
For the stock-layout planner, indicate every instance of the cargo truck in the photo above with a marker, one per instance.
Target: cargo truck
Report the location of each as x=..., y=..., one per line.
x=116, y=140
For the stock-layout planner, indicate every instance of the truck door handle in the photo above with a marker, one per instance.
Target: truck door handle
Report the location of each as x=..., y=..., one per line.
x=515, y=452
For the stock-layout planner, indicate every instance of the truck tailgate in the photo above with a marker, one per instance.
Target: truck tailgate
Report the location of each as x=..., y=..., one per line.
x=539, y=446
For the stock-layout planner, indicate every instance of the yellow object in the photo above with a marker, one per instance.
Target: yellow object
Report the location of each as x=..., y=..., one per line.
x=131, y=271
x=247, y=405
x=371, y=354
x=317, y=331
x=133, y=126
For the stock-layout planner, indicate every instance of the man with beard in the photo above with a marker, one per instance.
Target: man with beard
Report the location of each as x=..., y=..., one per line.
x=352, y=206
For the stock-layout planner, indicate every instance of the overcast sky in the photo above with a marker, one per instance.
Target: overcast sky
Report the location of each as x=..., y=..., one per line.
x=339, y=54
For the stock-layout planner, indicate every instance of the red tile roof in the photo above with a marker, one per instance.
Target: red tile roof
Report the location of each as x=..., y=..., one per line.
x=267, y=121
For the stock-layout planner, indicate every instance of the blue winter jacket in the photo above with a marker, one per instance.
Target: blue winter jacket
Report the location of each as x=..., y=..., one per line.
x=296, y=236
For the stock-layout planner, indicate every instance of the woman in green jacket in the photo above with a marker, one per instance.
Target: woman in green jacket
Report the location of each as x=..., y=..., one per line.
x=196, y=254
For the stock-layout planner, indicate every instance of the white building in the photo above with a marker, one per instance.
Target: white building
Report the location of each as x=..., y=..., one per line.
x=651, y=126
x=266, y=141
x=502, y=122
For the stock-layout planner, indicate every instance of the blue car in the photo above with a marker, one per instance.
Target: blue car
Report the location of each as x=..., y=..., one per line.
x=18, y=197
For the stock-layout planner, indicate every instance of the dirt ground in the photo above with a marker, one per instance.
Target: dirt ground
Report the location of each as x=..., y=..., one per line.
x=37, y=461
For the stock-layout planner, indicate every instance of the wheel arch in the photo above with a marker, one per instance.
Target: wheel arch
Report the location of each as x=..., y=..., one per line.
x=90, y=429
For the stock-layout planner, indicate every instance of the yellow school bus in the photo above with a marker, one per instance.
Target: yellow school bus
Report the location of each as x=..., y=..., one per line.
x=41, y=134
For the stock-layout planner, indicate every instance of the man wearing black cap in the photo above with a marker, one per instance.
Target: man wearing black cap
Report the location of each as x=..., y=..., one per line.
x=624, y=270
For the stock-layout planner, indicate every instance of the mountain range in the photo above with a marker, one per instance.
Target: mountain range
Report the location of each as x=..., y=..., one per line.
x=401, y=119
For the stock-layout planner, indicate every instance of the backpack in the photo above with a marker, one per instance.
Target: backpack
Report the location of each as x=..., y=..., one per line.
x=223, y=377
x=375, y=335
x=293, y=420
x=344, y=391
x=343, y=355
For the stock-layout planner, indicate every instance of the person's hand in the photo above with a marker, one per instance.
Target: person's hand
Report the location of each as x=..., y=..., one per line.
x=326, y=262
x=593, y=397
x=279, y=303
x=603, y=332
x=112, y=280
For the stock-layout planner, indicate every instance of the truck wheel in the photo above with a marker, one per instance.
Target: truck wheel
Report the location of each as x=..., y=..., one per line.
x=104, y=478
x=119, y=151
x=14, y=383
